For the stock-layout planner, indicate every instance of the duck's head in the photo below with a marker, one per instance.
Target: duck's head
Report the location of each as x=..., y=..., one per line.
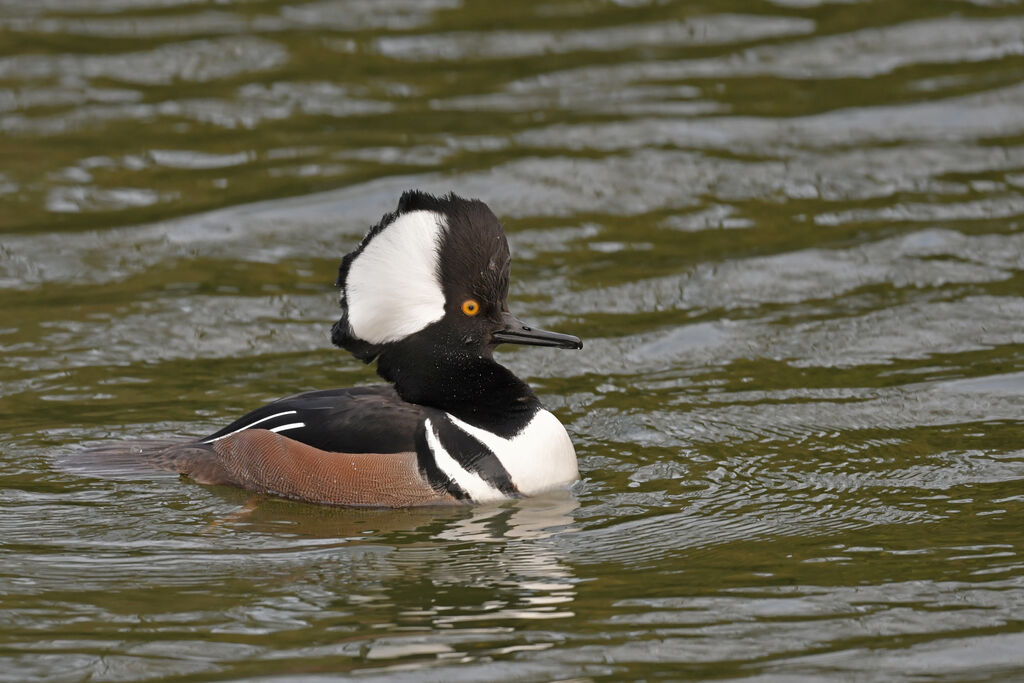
x=432, y=278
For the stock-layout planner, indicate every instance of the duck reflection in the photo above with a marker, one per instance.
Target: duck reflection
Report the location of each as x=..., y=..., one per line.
x=480, y=566
x=526, y=563
x=529, y=518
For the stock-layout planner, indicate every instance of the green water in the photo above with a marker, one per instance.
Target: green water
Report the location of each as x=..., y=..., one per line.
x=789, y=233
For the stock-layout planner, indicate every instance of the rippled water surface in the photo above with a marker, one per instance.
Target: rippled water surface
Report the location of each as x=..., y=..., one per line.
x=789, y=233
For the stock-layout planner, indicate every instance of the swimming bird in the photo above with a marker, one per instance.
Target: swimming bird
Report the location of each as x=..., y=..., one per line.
x=424, y=295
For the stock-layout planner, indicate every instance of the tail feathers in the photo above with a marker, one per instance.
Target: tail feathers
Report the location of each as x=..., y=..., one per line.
x=123, y=459
x=138, y=459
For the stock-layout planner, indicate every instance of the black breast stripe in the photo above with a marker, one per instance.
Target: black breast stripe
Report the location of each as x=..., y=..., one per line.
x=474, y=456
x=428, y=466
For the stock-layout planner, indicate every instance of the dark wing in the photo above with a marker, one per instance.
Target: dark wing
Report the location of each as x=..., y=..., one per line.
x=352, y=420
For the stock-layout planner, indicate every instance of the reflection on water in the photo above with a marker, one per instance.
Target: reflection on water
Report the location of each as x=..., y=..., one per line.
x=427, y=582
x=788, y=231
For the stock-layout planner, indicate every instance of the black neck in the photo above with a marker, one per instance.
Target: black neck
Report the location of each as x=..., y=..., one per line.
x=475, y=389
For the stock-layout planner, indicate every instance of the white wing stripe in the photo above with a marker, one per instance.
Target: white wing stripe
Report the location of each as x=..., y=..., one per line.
x=250, y=426
x=290, y=425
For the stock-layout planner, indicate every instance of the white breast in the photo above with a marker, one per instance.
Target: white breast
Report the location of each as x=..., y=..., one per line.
x=539, y=458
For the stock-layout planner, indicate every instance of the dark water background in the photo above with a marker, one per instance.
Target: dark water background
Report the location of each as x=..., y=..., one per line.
x=789, y=232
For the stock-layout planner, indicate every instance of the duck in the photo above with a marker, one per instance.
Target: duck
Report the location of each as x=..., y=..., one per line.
x=425, y=296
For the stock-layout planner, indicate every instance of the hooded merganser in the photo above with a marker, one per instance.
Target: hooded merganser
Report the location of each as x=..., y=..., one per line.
x=424, y=294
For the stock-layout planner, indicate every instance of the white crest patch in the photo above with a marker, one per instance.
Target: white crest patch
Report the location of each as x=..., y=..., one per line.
x=539, y=458
x=470, y=482
x=393, y=288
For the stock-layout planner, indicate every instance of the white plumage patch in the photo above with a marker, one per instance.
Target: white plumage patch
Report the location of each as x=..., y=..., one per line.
x=539, y=458
x=285, y=428
x=393, y=287
x=470, y=482
x=260, y=421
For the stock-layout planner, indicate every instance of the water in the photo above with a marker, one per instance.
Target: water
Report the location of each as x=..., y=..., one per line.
x=789, y=233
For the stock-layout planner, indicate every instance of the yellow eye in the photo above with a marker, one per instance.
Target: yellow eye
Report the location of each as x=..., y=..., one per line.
x=470, y=307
